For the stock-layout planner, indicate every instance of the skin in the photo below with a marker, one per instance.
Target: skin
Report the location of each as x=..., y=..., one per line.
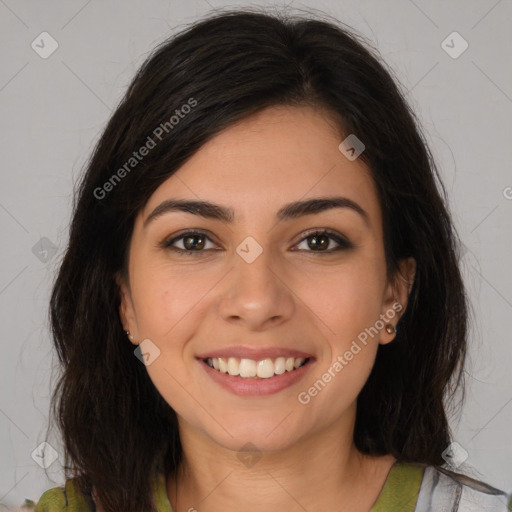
x=317, y=302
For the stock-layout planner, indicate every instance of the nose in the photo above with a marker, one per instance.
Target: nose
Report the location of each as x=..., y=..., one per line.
x=256, y=294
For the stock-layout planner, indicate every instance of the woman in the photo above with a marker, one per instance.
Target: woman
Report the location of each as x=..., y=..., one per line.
x=261, y=288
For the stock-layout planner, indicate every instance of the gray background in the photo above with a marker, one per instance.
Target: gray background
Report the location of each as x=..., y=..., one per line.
x=52, y=111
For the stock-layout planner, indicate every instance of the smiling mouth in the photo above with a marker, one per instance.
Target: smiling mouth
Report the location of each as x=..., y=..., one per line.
x=252, y=369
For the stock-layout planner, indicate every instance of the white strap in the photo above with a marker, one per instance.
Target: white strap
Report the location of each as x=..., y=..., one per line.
x=447, y=492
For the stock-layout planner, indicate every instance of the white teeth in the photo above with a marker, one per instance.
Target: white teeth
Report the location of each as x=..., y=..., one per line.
x=265, y=369
x=298, y=362
x=249, y=368
x=233, y=366
x=223, y=364
x=280, y=366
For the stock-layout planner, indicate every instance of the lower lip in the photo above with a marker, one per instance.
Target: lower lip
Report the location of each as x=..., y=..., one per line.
x=256, y=387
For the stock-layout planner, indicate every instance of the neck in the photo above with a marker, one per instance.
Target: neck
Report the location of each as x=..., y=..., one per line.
x=212, y=478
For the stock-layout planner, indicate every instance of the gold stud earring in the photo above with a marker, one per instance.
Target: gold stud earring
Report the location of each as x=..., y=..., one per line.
x=390, y=329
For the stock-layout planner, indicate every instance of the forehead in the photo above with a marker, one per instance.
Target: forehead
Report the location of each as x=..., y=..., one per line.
x=279, y=155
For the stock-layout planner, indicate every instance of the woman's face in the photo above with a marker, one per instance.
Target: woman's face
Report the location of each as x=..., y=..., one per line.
x=256, y=285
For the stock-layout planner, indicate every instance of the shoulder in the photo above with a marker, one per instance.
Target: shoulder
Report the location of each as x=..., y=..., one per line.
x=442, y=489
x=66, y=498
x=52, y=500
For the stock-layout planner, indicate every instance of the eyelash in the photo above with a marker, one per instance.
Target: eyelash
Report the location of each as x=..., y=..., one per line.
x=343, y=243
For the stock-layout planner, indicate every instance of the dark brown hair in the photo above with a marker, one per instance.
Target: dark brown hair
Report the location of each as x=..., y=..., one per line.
x=117, y=429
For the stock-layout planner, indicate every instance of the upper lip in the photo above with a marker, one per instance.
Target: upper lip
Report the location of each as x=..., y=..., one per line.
x=257, y=354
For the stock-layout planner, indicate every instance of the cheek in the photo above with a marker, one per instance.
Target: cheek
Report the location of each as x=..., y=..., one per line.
x=346, y=300
x=164, y=297
x=167, y=311
x=349, y=306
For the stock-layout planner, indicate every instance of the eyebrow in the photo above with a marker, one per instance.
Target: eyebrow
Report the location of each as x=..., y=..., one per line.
x=292, y=210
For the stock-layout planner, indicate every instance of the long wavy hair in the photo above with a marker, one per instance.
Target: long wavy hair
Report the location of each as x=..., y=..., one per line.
x=118, y=431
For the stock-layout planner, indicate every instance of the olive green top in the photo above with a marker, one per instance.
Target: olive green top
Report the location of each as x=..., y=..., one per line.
x=69, y=499
x=408, y=488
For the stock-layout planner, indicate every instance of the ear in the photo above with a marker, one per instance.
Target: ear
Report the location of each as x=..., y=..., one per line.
x=126, y=308
x=396, y=298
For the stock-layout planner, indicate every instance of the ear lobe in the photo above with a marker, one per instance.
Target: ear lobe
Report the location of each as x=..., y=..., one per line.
x=397, y=296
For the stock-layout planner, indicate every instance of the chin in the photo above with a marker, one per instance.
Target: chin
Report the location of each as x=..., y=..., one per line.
x=261, y=438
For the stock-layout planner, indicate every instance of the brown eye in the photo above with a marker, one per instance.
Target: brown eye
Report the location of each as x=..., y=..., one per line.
x=194, y=242
x=318, y=242
x=324, y=242
x=190, y=243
